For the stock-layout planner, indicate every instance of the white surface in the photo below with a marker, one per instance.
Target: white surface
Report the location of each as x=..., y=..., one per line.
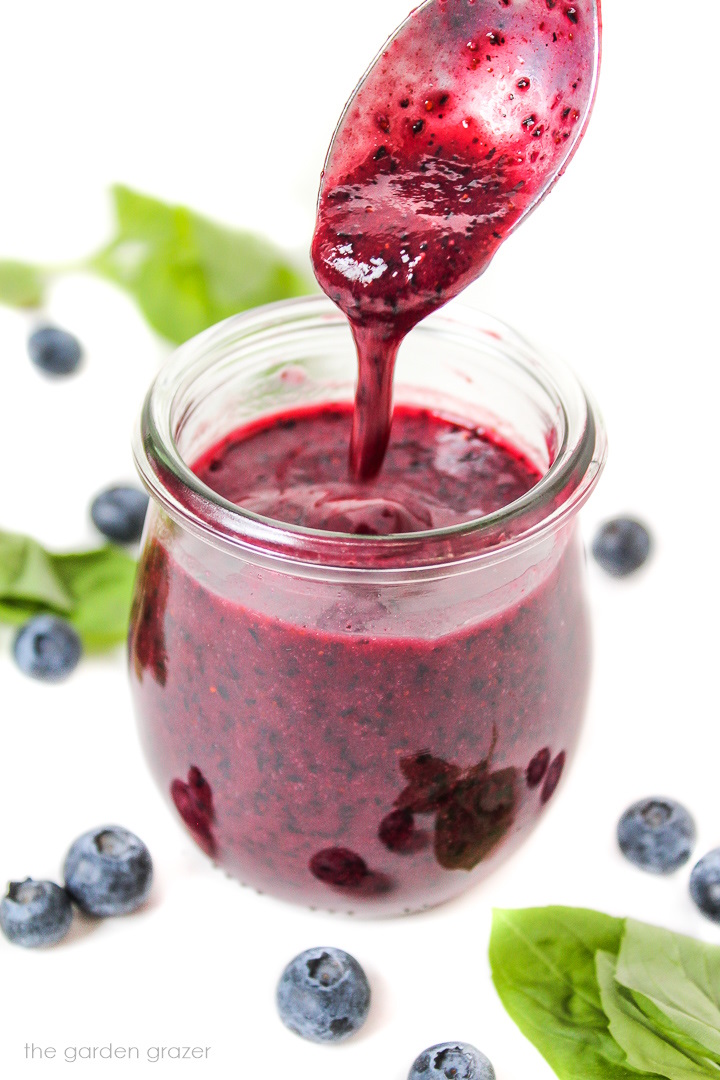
x=229, y=107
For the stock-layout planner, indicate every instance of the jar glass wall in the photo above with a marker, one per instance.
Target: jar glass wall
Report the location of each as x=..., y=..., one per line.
x=360, y=723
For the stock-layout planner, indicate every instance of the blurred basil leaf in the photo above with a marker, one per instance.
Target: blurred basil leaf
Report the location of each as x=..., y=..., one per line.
x=21, y=285
x=187, y=272
x=91, y=589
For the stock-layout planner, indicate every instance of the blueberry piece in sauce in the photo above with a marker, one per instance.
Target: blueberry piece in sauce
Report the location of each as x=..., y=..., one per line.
x=452, y=1061
x=656, y=834
x=108, y=871
x=47, y=648
x=119, y=513
x=54, y=351
x=705, y=884
x=537, y=767
x=148, y=623
x=194, y=803
x=553, y=777
x=339, y=866
x=621, y=546
x=397, y=831
x=323, y=995
x=35, y=913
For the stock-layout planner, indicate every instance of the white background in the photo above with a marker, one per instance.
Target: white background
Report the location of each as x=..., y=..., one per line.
x=228, y=106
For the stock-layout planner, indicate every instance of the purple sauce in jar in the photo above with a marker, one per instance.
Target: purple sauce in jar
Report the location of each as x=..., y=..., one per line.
x=360, y=695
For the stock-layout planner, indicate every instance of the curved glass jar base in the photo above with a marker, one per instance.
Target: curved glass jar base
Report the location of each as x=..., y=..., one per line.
x=360, y=739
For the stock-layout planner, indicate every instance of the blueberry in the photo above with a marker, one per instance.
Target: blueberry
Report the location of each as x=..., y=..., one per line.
x=657, y=835
x=621, y=546
x=119, y=513
x=108, y=871
x=451, y=1061
x=35, y=913
x=54, y=351
x=323, y=995
x=47, y=648
x=705, y=884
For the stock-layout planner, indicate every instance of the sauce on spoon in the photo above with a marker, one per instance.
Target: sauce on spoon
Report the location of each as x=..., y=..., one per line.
x=460, y=127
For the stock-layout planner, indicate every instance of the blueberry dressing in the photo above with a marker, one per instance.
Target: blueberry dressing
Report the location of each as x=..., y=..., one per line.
x=370, y=755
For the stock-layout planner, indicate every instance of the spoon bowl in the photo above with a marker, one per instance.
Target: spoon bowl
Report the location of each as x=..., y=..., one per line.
x=456, y=132
x=501, y=89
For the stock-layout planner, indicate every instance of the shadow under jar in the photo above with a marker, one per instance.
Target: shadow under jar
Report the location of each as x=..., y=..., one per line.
x=361, y=723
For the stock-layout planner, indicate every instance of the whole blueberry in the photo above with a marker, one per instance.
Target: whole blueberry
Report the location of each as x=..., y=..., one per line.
x=323, y=995
x=621, y=546
x=705, y=884
x=108, y=871
x=54, y=351
x=452, y=1061
x=119, y=513
x=34, y=913
x=657, y=835
x=47, y=648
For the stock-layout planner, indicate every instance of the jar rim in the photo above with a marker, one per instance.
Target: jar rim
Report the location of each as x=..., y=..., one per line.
x=558, y=495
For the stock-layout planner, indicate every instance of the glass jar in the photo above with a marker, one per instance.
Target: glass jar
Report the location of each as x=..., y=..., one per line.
x=360, y=723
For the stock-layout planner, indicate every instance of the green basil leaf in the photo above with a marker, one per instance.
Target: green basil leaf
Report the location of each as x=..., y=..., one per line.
x=101, y=584
x=28, y=579
x=187, y=272
x=666, y=1028
x=21, y=285
x=646, y=1048
x=91, y=589
x=543, y=967
x=677, y=975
